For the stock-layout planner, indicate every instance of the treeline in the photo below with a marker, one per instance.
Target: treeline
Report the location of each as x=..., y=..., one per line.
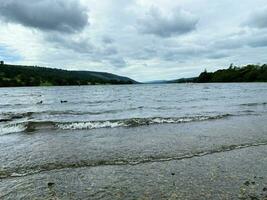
x=249, y=73
x=16, y=75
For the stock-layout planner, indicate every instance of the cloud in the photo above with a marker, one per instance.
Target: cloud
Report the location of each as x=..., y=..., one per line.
x=229, y=43
x=143, y=39
x=252, y=39
x=260, y=41
x=177, y=22
x=107, y=40
x=218, y=55
x=258, y=19
x=78, y=45
x=82, y=46
x=110, y=51
x=192, y=53
x=65, y=16
x=9, y=55
x=117, y=62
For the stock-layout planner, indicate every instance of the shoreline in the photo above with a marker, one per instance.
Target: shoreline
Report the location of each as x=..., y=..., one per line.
x=228, y=175
x=174, y=160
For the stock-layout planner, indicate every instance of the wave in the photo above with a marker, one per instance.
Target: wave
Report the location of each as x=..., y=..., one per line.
x=15, y=104
x=9, y=116
x=31, y=126
x=70, y=102
x=254, y=104
x=12, y=128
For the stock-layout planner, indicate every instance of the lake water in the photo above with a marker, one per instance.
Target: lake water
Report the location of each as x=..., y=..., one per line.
x=89, y=107
x=165, y=141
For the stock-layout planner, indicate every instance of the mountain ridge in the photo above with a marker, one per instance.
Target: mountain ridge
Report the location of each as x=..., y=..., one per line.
x=20, y=75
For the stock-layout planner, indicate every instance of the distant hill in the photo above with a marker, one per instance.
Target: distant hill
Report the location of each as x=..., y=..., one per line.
x=156, y=82
x=17, y=75
x=183, y=80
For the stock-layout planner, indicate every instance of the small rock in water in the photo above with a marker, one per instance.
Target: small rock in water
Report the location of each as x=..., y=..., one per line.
x=247, y=183
x=50, y=184
x=253, y=197
x=264, y=189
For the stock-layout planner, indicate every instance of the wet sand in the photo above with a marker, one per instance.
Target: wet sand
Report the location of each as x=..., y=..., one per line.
x=217, y=159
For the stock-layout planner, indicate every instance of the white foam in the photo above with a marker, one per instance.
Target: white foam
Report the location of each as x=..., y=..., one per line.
x=127, y=122
x=89, y=125
x=11, y=128
x=178, y=120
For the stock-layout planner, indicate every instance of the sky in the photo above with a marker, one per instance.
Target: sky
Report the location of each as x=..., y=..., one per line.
x=142, y=39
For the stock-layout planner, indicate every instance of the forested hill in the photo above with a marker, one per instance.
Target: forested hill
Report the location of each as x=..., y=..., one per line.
x=249, y=73
x=16, y=75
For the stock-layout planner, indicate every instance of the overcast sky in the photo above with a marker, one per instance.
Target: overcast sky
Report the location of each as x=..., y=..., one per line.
x=143, y=39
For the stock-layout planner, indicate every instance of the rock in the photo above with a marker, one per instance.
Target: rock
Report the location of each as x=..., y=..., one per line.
x=50, y=184
x=247, y=183
x=253, y=197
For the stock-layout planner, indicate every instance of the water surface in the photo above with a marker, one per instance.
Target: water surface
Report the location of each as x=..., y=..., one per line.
x=185, y=141
x=89, y=107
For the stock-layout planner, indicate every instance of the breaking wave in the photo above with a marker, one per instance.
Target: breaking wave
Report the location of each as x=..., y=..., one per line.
x=11, y=128
x=31, y=126
x=134, y=122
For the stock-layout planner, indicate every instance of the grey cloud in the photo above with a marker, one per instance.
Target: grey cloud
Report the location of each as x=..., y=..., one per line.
x=67, y=16
x=107, y=40
x=118, y=62
x=229, y=43
x=143, y=53
x=83, y=46
x=258, y=19
x=80, y=45
x=258, y=41
x=77, y=45
x=217, y=55
x=184, y=52
x=250, y=40
x=177, y=23
x=109, y=51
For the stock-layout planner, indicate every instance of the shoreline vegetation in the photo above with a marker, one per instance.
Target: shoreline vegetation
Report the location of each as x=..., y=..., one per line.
x=248, y=73
x=18, y=75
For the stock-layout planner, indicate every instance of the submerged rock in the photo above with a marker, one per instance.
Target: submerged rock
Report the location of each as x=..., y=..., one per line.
x=50, y=184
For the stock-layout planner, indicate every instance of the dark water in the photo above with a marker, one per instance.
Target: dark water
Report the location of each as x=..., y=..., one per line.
x=177, y=141
x=130, y=105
